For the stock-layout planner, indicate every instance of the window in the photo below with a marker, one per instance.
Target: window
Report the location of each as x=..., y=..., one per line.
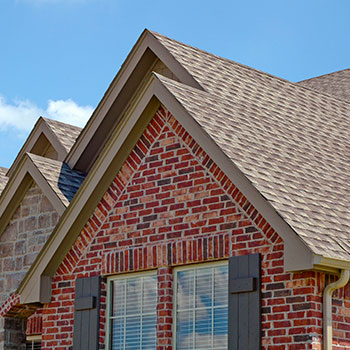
x=33, y=342
x=132, y=312
x=201, y=307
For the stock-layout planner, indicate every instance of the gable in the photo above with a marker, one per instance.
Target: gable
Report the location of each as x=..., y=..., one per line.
x=168, y=205
x=146, y=56
x=43, y=147
x=49, y=139
x=35, y=287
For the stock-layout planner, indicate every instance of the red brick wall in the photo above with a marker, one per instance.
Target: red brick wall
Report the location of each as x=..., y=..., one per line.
x=340, y=310
x=170, y=205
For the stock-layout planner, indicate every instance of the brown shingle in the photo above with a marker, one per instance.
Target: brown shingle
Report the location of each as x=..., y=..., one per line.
x=291, y=142
x=335, y=84
x=66, y=133
x=62, y=179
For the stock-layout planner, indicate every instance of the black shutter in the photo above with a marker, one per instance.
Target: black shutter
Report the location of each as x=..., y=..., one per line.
x=244, y=305
x=86, y=313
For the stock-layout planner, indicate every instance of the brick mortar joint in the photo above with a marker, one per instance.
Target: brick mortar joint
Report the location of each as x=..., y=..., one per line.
x=215, y=179
x=118, y=197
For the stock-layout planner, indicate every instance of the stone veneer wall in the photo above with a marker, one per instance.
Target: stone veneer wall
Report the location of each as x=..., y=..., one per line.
x=23, y=238
x=25, y=235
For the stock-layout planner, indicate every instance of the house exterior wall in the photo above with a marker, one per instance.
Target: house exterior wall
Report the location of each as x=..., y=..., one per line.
x=341, y=314
x=23, y=238
x=25, y=235
x=170, y=205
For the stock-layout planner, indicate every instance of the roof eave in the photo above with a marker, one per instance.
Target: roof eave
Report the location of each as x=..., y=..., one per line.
x=330, y=264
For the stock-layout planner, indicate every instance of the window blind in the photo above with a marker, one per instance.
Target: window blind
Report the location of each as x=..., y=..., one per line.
x=202, y=308
x=33, y=345
x=133, y=313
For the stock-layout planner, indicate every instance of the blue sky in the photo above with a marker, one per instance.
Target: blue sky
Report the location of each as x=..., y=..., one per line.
x=57, y=57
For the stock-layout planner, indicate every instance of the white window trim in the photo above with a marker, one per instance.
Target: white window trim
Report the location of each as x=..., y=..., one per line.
x=184, y=268
x=35, y=337
x=110, y=279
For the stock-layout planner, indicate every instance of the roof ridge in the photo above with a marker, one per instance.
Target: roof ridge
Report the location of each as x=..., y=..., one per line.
x=294, y=84
x=221, y=58
x=323, y=75
x=49, y=120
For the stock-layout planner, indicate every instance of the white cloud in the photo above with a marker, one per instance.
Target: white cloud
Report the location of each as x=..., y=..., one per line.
x=68, y=111
x=22, y=115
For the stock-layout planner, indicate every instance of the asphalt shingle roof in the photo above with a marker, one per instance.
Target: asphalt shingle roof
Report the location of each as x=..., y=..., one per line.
x=66, y=133
x=291, y=142
x=3, y=178
x=335, y=84
x=62, y=179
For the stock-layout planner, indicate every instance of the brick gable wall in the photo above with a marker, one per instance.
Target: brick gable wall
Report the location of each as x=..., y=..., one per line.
x=171, y=205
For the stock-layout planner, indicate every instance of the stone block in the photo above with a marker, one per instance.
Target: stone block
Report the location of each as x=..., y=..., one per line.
x=19, y=263
x=44, y=221
x=45, y=205
x=29, y=201
x=30, y=224
x=29, y=259
x=20, y=247
x=9, y=264
x=6, y=249
x=25, y=211
x=10, y=233
x=13, y=280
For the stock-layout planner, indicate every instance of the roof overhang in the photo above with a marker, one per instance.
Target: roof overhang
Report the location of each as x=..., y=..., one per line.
x=127, y=83
x=36, y=285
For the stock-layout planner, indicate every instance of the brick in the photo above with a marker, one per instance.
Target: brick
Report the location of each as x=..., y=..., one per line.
x=169, y=208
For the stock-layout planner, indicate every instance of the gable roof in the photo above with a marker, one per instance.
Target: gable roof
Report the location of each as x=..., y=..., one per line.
x=284, y=146
x=127, y=84
x=292, y=143
x=65, y=133
x=335, y=84
x=57, y=181
x=48, y=136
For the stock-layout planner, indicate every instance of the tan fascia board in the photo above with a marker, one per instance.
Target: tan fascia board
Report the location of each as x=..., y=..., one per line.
x=330, y=264
x=40, y=127
x=17, y=186
x=36, y=285
x=146, y=41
